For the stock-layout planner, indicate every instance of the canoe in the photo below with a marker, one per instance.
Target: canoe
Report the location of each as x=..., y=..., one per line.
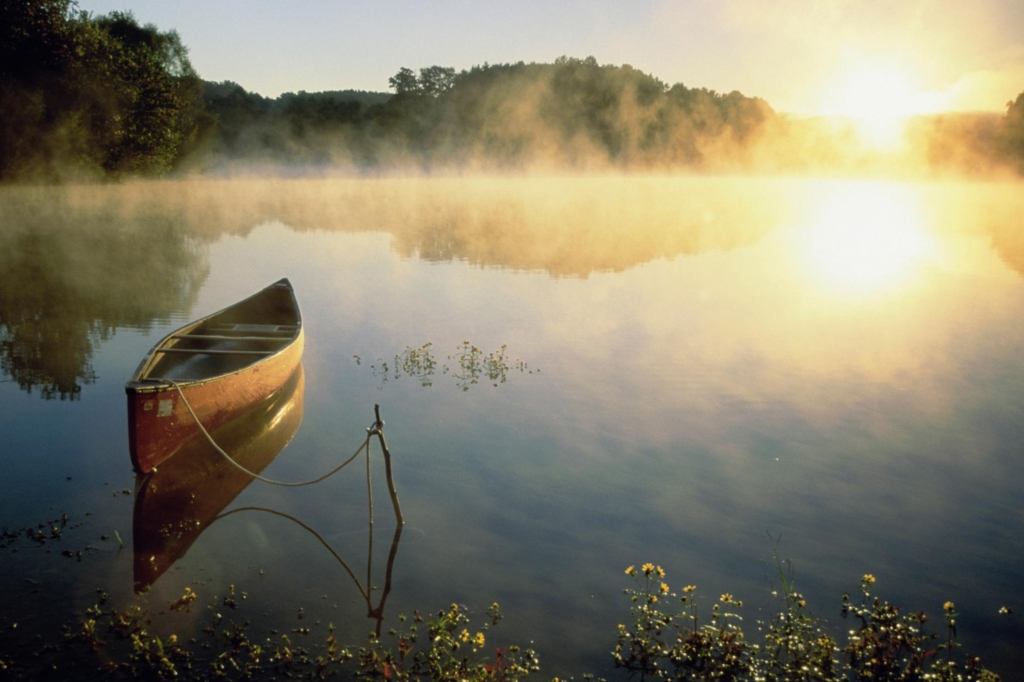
x=177, y=502
x=223, y=364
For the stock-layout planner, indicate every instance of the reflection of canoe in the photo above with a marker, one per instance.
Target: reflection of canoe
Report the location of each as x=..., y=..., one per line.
x=174, y=504
x=223, y=363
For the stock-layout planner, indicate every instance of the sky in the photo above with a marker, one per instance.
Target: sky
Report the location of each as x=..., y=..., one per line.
x=808, y=57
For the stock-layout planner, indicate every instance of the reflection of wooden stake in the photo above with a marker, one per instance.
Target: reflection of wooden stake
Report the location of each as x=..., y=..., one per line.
x=377, y=613
x=387, y=467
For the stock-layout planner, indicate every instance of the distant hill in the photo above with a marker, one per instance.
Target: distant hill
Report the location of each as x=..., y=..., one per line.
x=213, y=91
x=361, y=96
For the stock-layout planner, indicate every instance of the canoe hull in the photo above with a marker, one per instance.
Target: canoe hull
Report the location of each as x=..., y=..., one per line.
x=160, y=424
x=174, y=505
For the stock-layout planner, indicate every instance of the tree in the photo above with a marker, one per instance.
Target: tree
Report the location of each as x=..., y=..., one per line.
x=1013, y=131
x=79, y=94
x=436, y=80
x=404, y=82
x=158, y=94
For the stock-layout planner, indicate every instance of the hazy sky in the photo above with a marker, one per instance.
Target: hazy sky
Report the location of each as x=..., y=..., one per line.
x=803, y=56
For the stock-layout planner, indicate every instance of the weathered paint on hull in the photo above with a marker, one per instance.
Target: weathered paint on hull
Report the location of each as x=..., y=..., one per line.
x=159, y=424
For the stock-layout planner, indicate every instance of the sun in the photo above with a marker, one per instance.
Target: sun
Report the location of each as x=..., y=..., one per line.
x=873, y=92
x=879, y=98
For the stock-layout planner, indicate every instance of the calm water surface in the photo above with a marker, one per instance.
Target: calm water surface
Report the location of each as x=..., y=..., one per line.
x=692, y=365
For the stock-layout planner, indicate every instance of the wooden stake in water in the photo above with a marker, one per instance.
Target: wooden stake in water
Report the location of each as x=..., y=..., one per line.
x=387, y=467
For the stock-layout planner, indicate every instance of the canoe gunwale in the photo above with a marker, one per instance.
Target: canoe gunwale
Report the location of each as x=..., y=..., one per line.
x=142, y=383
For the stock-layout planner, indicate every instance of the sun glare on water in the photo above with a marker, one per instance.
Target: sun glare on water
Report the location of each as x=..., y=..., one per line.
x=866, y=237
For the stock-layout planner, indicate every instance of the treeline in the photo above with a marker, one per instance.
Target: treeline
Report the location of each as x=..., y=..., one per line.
x=84, y=96
x=295, y=128
x=573, y=113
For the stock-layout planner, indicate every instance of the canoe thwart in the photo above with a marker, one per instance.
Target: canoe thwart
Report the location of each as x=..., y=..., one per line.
x=214, y=351
x=254, y=328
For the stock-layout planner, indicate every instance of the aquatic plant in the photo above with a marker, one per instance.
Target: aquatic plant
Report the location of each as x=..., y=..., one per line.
x=663, y=642
x=470, y=365
x=669, y=635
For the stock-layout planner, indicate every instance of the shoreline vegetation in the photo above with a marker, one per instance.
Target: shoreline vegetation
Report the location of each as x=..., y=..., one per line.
x=88, y=97
x=669, y=634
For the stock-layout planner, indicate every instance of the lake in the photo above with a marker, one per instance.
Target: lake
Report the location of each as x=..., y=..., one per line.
x=576, y=374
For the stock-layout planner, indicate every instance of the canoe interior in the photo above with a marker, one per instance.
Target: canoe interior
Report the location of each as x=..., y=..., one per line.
x=230, y=340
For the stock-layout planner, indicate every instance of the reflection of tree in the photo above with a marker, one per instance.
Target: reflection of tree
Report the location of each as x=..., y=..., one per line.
x=1008, y=242
x=69, y=279
x=574, y=228
x=567, y=227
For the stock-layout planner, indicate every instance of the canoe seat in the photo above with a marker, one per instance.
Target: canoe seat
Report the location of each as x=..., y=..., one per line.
x=226, y=337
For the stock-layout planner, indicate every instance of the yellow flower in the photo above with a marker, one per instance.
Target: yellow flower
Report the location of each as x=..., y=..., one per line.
x=868, y=579
x=801, y=603
x=664, y=588
x=726, y=598
x=660, y=571
x=647, y=569
x=631, y=570
x=172, y=639
x=480, y=639
x=689, y=588
x=464, y=635
x=948, y=606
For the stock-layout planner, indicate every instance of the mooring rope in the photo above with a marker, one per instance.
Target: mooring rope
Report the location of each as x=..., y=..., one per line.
x=370, y=432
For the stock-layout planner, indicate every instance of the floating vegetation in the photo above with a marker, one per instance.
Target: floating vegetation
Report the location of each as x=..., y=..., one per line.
x=469, y=366
x=40, y=534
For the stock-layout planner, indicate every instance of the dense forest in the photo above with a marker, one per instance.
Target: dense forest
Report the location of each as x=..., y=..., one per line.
x=572, y=113
x=92, y=97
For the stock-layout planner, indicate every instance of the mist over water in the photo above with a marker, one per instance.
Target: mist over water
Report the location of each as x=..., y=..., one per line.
x=714, y=359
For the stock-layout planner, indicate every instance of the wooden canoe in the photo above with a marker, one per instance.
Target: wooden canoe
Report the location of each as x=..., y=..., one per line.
x=177, y=502
x=223, y=363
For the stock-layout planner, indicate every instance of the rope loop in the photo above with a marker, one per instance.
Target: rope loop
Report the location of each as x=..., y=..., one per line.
x=370, y=432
